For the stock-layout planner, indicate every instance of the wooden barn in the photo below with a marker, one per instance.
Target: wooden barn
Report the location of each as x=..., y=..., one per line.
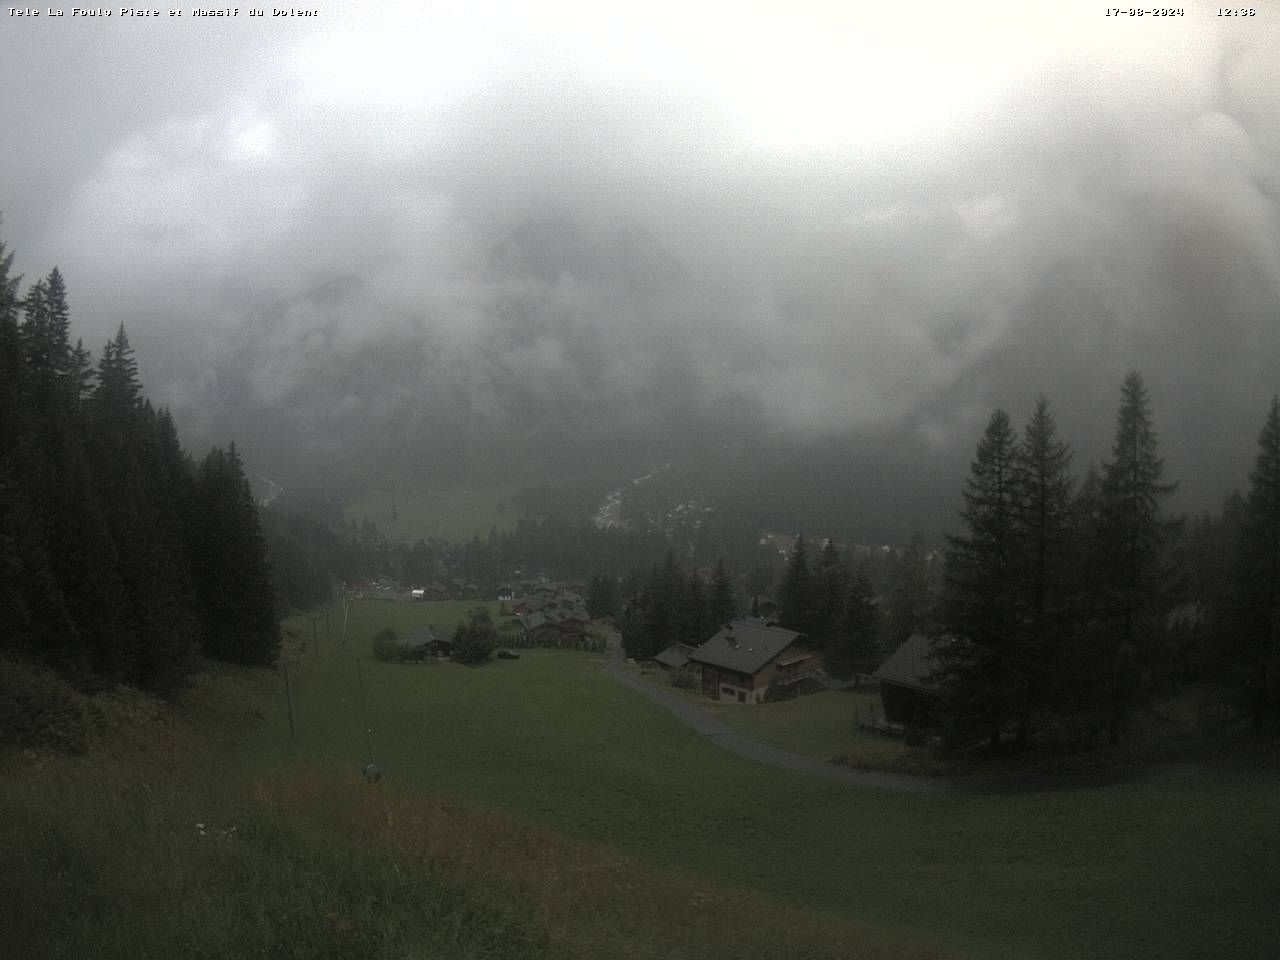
x=906, y=680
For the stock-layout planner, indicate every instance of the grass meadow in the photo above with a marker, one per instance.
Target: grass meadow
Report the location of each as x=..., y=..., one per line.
x=820, y=725
x=444, y=514
x=538, y=808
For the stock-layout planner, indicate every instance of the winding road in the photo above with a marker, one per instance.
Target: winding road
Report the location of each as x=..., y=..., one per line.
x=723, y=736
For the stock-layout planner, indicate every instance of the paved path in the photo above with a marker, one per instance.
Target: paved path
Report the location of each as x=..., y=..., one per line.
x=724, y=736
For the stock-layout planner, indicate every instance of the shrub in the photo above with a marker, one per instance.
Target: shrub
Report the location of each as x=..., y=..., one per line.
x=386, y=645
x=779, y=691
x=684, y=679
x=473, y=642
x=38, y=708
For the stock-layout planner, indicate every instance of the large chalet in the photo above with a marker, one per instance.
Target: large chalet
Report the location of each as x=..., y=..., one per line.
x=745, y=656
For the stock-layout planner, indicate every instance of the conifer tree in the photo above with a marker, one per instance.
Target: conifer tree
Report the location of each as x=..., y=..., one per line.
x=796, y=602
x=694, y=622
x=1258, y=571
x=908, y=598
x=981, y=682
x=1134, y=534
x=721, y=606
x=1042, y=522
x=831, y=590
x=855, y=642
x=232, y=576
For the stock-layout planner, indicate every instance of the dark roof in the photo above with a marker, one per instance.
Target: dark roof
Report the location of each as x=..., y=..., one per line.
x=753, y=646
x=676, y=655
x=531, y=621
x=911, y=665
x=421, y=637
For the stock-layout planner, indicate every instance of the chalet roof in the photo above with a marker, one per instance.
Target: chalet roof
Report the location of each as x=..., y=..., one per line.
x=744, y=646
x=421, y=637
x=531, y=621
x=911, y=665
x=675, y=656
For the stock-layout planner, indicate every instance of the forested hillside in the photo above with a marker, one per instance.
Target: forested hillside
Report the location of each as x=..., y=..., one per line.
x=120, y=557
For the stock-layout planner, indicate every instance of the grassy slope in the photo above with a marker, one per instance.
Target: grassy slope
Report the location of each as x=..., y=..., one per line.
x=651, y=841
x=174, y=838
x=1154, y=869
x=820, y=725
x=447, y=514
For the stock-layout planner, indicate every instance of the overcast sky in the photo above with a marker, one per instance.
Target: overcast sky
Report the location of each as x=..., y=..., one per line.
x=817, y=217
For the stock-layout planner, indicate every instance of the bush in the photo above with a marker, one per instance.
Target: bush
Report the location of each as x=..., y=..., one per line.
x=39, y=709
x=386, y=645
x=779, y=691
x=473, y=642
x=684, y=679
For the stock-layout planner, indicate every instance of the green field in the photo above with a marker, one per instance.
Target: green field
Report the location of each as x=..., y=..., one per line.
x=365, y=617
x=1136, y=870
x=820, y=725
x=454, y=515
x=539, y=808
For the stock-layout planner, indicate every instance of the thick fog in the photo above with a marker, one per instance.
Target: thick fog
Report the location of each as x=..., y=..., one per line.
x=472, y=240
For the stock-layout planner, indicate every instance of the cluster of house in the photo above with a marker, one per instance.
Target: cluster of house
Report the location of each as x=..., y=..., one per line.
x=745, y=656
x=455, y=589
x=551, y=611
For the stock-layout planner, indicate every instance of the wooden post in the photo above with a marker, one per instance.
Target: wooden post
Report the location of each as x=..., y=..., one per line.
x=346, y=612
x=364, y=711
x=288, y=693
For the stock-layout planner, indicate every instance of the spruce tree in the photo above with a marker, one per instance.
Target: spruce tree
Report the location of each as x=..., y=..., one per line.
x=1134, y=534
x=908, y=598
x=721, y=606
x=796, y=602
x=854, y=647
x=1258, y=572
x=232, y=575
x=1042, y=526
x=830, y=593
x=982, y=683
x=694, y=621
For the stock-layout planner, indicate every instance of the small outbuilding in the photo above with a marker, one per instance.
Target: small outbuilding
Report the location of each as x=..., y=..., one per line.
x=674, y=657
x=907, y=682
x=419, y=643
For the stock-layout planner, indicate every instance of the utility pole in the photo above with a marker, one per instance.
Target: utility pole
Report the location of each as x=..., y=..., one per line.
x=288, y=693
x=315, y=640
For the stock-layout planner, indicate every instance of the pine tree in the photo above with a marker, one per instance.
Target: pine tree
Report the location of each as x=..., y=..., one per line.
x=796, y=612
x=855, y=643
x=1258, y=571
x=831, y=590
x=982, y=686
x=232, y=576
x=1042, y=526
x=1134, y=534
x=907, y=594
x=694, y=621
x=721, y=608
x=474, y=641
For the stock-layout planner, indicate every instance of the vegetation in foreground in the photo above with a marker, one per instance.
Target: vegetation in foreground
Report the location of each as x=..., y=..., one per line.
x=1134, y=870
x=167, y=840
x=537, y=808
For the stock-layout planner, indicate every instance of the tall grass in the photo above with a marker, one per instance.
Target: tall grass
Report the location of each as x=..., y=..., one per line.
x=162, y=842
